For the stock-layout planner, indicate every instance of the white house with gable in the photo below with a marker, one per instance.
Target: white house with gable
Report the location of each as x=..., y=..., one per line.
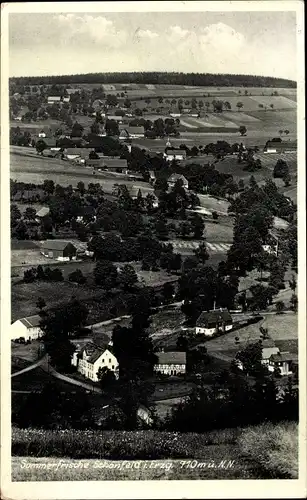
x=91, y=357
x=26, y=328
x=211, y=322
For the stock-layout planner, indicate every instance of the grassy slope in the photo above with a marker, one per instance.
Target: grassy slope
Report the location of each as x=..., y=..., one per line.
x=260, y=452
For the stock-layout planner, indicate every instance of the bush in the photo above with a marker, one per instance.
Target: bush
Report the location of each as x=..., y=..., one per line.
x=274, y=447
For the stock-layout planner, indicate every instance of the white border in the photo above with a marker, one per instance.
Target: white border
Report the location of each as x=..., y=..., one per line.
x=148, y=489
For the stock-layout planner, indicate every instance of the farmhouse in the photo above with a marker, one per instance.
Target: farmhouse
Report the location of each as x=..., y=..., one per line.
x=91, y=357
x=268, y=349
x=217, y=320
x=132, y=133
x=171, y=363
x=175, y=154
x=26, y=328
x=284, y=361
x=177, y=177
x=109, y=164
x=280, y=147
x=59, y=250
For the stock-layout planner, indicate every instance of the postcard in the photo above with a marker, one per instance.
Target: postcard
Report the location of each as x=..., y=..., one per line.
x=153, y=242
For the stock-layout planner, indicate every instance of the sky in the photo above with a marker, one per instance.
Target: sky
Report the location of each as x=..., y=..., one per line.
x=258, y=43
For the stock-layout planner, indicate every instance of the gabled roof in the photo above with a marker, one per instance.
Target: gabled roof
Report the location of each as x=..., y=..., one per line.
x=42, y=212
x=84, y=152
x=56, y=244
x=135, y=130
x=176, y=177
x=213, y=317
x=31, y=321
x=94, y=351
x=169, y=358
x=49, y=141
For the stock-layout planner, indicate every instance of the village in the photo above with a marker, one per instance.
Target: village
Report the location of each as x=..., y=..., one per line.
x=122, y=201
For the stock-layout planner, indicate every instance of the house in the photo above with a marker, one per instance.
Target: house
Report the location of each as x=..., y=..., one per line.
x=59, y=250
x=27, y=328
x=72, y=154
x=43, y=212
x=214, y=321
x=91, y=357
x=132, y=133
x=175, y=154
x=134, y=192
x=42, y=134
x=280, y=147
x=177, y=177
x=54, y=99
x=118, y=165
x=284, y=361
x=171, y=363
x=268, y=349
x=116, y=118
x=66, y=98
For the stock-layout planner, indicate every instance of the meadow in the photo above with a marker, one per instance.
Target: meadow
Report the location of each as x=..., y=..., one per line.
x=259, y=452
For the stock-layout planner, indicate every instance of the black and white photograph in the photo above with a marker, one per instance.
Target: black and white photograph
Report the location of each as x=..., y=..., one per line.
x=155, y=321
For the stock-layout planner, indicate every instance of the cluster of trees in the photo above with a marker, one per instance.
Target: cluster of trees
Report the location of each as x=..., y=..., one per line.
x=268, y=196
x=20, y=138
x=191, y=79
x=234, y=402
x=281, y=171
x=40, y=273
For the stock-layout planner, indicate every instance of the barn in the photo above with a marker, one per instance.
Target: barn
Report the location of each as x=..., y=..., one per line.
x=59, y=250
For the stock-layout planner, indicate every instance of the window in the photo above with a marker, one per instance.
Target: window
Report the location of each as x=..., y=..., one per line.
x=113, y=367
x=103, y=360
x=110, y=360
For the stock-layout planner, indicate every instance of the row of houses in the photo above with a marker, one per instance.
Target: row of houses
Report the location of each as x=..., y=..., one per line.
x=92, y=357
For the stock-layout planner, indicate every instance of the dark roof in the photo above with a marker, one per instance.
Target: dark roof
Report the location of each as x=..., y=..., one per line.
x=284, y=356
x=94, y=351
x=56, y=244
x=175, y=151
x=213, y=316
x=31, y=321
x=111, y=162
x=282, y=144
x=169, y=358
x=49, y=141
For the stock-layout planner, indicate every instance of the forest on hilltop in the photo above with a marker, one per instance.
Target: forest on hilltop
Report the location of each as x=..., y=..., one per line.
x=156, y=78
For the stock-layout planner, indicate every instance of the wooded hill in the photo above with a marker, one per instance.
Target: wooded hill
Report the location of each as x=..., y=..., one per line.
x=156, y=78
